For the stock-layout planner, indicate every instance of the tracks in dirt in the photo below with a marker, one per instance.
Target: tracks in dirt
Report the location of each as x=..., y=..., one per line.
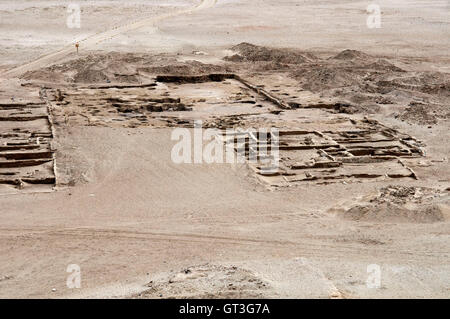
x=92, y=40
x=308, y=246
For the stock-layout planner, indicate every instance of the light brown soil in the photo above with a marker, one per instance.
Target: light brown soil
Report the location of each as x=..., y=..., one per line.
x=364, y=175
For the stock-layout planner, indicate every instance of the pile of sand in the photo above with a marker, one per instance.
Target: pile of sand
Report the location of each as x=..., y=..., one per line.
x=351, y=55
x=368, y=82
x=253, y=53
x=382, y=65
x=93, y=68
x=207, y=281
x=117, y=68
x=425, y=113
x=319, y=77
x=423, y=82
x=402, y=204
x=185, y=68
x=349, y=69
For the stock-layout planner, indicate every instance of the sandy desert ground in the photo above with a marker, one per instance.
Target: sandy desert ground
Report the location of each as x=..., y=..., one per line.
x=87, y=177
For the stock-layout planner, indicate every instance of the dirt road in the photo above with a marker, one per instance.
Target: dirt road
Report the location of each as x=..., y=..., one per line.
x=92, y=40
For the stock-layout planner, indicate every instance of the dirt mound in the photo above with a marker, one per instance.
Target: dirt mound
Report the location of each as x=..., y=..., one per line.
x=235, y=58
x=369, y=83
x=402, y=204
x=207, y=281
x=185, y=68
x=383, y=65
x=117, y=68
x=93, y=68
x=46, y=75
x=435, y=83
x=254, y=53
x=431, y=78
x=322, y=77
x=351, y=55
x=87, y=75
x=425, y=113
x=393, y=213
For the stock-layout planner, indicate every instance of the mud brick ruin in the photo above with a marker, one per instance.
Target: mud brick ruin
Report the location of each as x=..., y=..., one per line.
x=322, y=146
x=26, y=154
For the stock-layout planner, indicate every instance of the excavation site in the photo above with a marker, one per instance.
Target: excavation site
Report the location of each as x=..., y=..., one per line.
x=202, y=149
